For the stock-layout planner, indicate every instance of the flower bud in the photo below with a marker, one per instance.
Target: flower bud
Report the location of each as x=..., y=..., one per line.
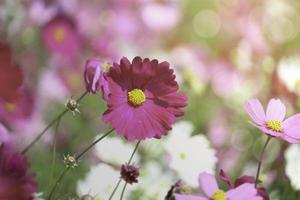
x=129, y=173
x=92, y=75
x=87, y=197
x=72, y=104
x=70, y=161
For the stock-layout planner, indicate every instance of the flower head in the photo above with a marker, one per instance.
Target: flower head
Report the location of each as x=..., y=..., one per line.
x=211, y=191
x=143, y=101
x=94, y=76
x=130, y=173
x=15, y=181
x=272, y=122
x=60, y=36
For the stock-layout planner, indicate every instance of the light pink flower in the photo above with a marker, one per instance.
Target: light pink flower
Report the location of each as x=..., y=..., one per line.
x=272, y=122
x=209, y=186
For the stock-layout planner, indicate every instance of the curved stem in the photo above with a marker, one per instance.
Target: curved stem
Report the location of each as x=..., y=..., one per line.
x=260, y=160
x=120, y=179
x=77, y=157
x=38, y=137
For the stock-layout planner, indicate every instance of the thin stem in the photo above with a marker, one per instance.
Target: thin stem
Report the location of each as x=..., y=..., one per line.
x=57, y=182
x=120, y=179
x=123, y=191
x=260, y=160
x=38, y=137
x=77, y=157
x=54, y=152
x=91, y=145
x=115, y=189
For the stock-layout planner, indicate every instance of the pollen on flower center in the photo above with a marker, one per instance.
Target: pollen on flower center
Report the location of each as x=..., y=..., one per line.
x=219, y=195
x=275, y=125
x=136, y=97
x=59, y=34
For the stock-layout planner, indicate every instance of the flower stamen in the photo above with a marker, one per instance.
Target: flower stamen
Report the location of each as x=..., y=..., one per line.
x=136, y=97
x=275, y=125
x=219, y=195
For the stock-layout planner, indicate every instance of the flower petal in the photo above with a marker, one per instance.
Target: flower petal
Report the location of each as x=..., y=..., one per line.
x=188, y=197
x=245, y=191
x=255, y=111
x=291, y=129
x=276, y=110
x=208, y=184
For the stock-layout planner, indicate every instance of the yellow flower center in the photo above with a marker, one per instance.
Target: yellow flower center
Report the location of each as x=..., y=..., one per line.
x=136, y=97
x=219, y=195
x=59, y=34
x=275, y=125
x=10, y=107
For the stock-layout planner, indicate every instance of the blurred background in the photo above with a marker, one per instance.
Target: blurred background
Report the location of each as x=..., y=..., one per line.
x=223, y=51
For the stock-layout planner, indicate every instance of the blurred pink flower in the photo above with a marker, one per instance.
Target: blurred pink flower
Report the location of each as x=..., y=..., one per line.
x=11, y=75
x=15, y=181
x=272, y=122
x=143, y=100
x=211, y=191
x=60, y=37
x=20, y=109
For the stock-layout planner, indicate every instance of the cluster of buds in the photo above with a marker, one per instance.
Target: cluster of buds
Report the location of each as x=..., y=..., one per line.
x=70, y=161
x=129, y=173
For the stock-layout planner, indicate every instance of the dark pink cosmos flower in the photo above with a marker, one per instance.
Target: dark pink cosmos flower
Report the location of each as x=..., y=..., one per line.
x=94, y=77
x=15, y=181
x=272, y=122
x=61, y=37
x=143, y=101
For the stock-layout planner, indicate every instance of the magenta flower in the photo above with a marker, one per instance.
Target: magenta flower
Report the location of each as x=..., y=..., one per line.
x=61, y=37
x=211, y=191
x=272, y=122
x=143, y=100
x=94, y=77
x=15, y=181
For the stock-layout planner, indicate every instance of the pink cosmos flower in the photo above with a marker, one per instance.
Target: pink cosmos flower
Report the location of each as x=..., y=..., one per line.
x=15, y=181
x=61, y=37
x=211, y=191
x=143, y=101
x=94, y=76
x=272, y=122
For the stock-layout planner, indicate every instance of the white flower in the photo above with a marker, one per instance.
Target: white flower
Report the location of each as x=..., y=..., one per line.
x=292, y=168
x=190, y=155
x=288, y=72
x=115, y=150
x=100, y=182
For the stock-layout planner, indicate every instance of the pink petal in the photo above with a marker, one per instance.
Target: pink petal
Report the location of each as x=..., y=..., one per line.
x=276, y=110
x=188, y=197
x=255, y=111
x=245, y=191
x=291, y=129
x=208, y=184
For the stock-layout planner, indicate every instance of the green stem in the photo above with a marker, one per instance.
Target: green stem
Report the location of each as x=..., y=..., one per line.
x=77, y=157
x=120, y=179
x=38, y=137
x=260, y=160
x=123, y=191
